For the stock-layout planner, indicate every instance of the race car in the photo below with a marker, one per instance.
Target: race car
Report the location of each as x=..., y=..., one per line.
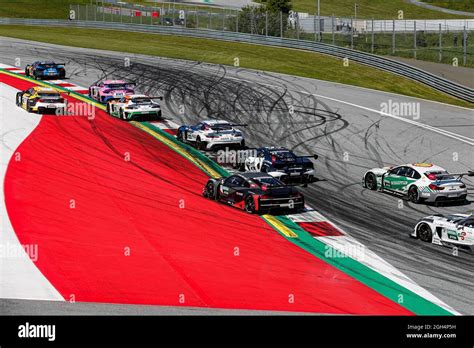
x=134, y=106
x=41, y=100
x=106, y=90
x=282, y=163
x=210, y=134
x=44, y=70
x=451, y=230
x=419, y=182
x=254, y=193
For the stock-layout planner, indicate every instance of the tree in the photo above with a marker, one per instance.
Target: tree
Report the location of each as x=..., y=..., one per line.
x=278, y=6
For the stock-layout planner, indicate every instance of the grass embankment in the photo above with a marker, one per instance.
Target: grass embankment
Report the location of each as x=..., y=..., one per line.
x=379, y=9
x=293, y=62
x=458, y=5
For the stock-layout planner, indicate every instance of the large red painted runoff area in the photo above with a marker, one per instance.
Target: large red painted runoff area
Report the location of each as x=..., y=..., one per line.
x=139, y=232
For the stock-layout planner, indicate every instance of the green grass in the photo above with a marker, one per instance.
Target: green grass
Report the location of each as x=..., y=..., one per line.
x=44, y=9
x=459, y=5
x=380, y=9
x=293, y=62
x=427, y=46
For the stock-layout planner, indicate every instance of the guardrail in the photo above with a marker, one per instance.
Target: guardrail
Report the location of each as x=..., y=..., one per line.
x=402, y=69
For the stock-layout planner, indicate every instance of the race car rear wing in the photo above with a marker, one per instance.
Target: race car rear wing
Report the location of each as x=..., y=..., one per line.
x=459, y=175
x=218, y=129
x=310, y=156
x=313, y=156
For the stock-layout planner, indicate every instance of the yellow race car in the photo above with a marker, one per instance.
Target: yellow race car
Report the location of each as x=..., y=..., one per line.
x=41, y=100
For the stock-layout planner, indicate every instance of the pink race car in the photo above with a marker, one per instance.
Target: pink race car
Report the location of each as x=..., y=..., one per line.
x=106, y=90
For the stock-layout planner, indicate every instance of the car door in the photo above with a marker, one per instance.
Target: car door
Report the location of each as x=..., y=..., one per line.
x=240, y=187
x=411, y=176
x=228, y=188
x=95, y=89
x=460, y=231
x=390, y=179
x=191, y=134
x=395, y=179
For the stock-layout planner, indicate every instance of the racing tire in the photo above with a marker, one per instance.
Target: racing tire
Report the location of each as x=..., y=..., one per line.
x=28, y=106
x=122, y=115
x=414, y=195
x=27, y=72
x=371, y=181
x=200, y=145
x=209, y=191
x=424, y=233
x=179, y=136
x=18, y=99
x=107, y=108
x=249, y=205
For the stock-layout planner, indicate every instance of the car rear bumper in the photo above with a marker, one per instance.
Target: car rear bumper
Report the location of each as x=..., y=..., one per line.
x=222, y=143
x=444, y=196
x=43, y=107
x=130, y=115
x=267, y=204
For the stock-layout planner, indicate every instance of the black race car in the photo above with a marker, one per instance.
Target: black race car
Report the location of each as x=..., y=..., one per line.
x=46, y=70
x=254, y=193
x=282, y=163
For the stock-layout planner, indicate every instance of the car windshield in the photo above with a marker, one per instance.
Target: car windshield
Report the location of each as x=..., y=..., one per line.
x=116, y=86
x=268, y=181
x=47, y=65
x=48, y=95
x=283, y=154
x=439, y=175
x=221, y=126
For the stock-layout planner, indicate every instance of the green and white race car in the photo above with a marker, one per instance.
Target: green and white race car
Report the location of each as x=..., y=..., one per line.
x=133, y=106
x=419, y=182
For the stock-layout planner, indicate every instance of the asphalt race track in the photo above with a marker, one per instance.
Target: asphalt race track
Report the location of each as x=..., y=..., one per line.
x=340, y=123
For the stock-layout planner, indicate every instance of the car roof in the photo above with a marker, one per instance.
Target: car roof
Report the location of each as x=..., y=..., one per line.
x=423, y=167
x=133, y=96
x=254, y=175
x=45, y=62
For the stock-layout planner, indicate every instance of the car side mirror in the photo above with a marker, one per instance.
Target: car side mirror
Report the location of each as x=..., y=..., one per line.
x=315, y=157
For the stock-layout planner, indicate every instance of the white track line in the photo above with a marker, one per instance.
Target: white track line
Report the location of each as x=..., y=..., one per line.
x=19, y=276
x=459, y=137
x=456, y=136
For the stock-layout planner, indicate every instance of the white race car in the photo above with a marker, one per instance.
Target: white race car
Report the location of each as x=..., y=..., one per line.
x=418, y=182
x=134, y=106
x=209, y=134
x=454, y=229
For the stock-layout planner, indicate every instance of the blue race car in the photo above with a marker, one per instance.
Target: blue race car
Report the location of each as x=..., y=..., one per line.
x=45, y=70
x=283, y=164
